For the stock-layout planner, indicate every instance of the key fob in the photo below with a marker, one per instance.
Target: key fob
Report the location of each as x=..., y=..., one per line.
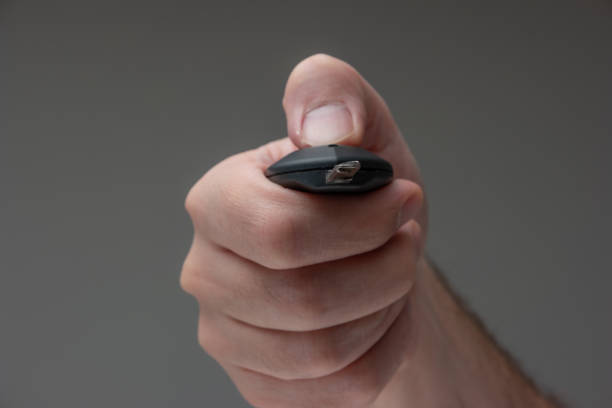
x=331, y=169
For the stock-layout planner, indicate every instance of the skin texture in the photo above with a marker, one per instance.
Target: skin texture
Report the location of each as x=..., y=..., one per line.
x=327, y=300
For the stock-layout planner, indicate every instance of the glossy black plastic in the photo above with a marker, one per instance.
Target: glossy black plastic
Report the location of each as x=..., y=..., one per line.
x=307, y=170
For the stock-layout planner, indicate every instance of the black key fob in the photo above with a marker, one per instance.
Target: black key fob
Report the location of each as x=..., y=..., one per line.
x=331, y=169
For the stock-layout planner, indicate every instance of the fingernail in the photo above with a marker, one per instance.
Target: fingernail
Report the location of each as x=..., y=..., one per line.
x=327, y=124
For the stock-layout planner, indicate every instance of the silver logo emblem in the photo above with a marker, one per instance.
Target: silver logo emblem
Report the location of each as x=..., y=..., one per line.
x=342, y=172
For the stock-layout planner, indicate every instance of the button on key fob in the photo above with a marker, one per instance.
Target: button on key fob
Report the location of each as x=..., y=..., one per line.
x=331, y=169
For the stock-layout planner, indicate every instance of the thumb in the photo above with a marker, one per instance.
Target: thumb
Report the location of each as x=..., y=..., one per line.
x=327, y=101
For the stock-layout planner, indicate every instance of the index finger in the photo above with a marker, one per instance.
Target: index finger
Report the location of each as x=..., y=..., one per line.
x=235, y=206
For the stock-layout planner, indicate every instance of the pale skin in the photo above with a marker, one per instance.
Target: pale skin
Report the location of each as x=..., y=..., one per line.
x=328, y=300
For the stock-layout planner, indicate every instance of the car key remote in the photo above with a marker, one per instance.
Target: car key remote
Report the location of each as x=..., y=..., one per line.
x=331, y=169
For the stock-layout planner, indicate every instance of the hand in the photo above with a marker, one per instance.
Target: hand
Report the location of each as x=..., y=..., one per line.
x=304, y=298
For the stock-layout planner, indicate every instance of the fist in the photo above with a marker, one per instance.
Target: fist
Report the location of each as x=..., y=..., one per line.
x=303, y=297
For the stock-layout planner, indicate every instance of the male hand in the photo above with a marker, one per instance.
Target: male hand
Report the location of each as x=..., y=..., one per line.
x=304, y=299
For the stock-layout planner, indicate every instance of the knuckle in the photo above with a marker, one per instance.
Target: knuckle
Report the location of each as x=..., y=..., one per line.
x=309, y=312
x=322, y=356
x=189, y=202
x=276, y=235
x=193, y=203
x=203, y=195
x=187, y=283
x=302, y=297
x=188, y=279
x=194, y=279
x=210, y=341
x=306, y=358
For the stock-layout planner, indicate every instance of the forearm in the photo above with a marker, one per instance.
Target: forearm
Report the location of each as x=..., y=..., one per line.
x=454, y=362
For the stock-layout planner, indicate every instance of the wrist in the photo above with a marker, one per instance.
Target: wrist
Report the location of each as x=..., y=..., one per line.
x=453, y=361
x=426, y=377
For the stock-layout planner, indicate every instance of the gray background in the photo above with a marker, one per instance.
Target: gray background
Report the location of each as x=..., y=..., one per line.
x=110, y=110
